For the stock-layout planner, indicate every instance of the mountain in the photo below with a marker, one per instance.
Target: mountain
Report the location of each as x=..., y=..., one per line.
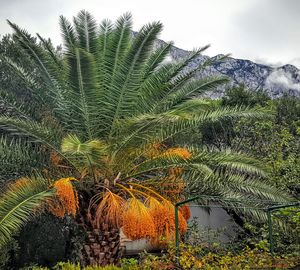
x=274, y=80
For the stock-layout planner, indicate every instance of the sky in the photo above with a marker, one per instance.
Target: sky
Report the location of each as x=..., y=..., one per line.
x=264, y=31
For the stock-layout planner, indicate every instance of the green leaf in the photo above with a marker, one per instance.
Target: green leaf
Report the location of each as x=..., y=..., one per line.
x=20, y=203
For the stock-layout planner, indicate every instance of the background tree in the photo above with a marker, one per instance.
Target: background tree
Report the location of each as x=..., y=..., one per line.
x=275, y=141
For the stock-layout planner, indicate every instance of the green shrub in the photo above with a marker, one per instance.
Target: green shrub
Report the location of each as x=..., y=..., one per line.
x=67, y=266
x=6, y=257
x=198, y=257
x=127, y=264
x=109, y=267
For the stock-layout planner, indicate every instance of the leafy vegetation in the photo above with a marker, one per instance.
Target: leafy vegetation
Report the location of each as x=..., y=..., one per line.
x=275, y=141
x=195, y=258
x=98, y=130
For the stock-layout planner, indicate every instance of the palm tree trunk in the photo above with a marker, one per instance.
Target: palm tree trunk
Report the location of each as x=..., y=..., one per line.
x=102, y=243
x=102, y=247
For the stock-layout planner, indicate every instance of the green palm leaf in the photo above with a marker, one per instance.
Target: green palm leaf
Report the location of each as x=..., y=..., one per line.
x=68, y=34
x=19, y=204
x=86, y=28
x=83, y=95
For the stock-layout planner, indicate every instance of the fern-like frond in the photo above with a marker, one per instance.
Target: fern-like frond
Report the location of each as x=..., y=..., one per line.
x=124, y=85
x=22, y=201
x=190, y=90
x=83, y=97
x=86, y=29
x=106, y=29
x=35, y=132
x=19, y=158
x=247, y=196
x=11, y=105
x=31, y=129
x=68, y=34
x=21, y=72
x=116, y=40
x=156, y=59
x=167, y=81
x=84, y=154
x=147, y=129
x=35, y=51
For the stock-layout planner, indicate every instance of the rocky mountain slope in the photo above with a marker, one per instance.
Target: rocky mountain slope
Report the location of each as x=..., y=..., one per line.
x=274, y=80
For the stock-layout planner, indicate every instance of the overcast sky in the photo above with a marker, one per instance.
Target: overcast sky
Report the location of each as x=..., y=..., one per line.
x=265, y=31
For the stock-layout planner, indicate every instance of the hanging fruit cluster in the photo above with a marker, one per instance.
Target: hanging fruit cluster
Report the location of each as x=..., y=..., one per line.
x=145, y=214
x=66, y=198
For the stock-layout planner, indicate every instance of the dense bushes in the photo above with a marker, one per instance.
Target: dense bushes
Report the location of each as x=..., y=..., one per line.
x=193, y=258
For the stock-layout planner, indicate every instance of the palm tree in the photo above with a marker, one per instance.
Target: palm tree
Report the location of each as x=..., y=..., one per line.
x=107, y=113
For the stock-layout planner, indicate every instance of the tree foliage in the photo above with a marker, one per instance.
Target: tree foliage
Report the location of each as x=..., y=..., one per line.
x=108, y=109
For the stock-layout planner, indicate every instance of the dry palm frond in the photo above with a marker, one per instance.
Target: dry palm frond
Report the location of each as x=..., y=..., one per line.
x=66, y=199
x=153, y=150
x=55, y=158
x=172, y=188
x=19, y=183
x=178, y=151
x=109, y=210
x=137, y=221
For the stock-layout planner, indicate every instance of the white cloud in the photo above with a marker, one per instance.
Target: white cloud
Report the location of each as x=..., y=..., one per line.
x=268, y=62
x=168, y=59
x=282, y=79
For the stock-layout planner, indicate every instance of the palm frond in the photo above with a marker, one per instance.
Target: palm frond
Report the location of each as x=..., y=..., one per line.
x=84, y=96
x=106, y=28
x=13, y=106
x=124, y=85
x=21, y=72
x=190, y=90
x=86, y=29
x=83, y=154
x=21, y=202
x=29, y=81
x=116, y=44
x=247, y=196
x=54, y=62
x=68, y=34
x=204, y=161
x=35, y=132
x=147, y=129
x=166, y=80
x=49, y=48
x=19, y=158
x=31, y=129
x=30, y=46
x=156, y=59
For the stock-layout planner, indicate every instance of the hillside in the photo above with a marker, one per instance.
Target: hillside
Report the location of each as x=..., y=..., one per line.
x=274, y=80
